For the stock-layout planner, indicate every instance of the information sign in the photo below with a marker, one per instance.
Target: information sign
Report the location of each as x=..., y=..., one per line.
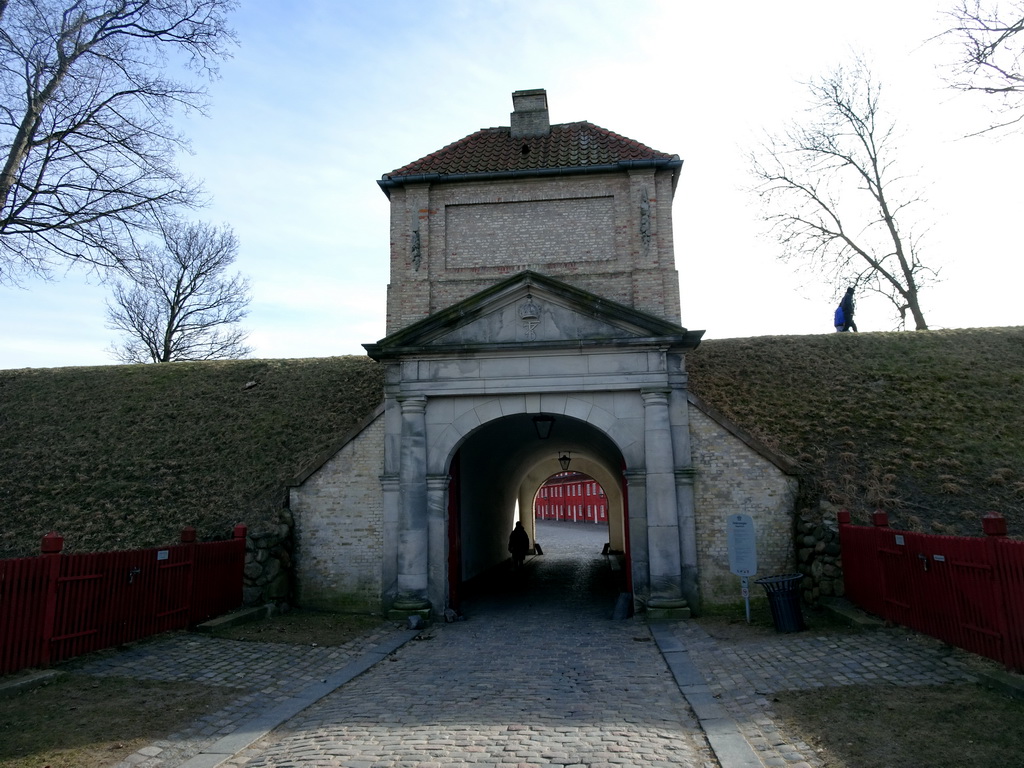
x=742, y=541
x=742, y=545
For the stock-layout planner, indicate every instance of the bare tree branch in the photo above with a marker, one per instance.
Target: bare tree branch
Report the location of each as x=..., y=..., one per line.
x=990, y=55
x=88, y=147
x=178, y=304
x=833, y=199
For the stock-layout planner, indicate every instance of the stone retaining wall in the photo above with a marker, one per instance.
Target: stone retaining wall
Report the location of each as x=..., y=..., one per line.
x=819, y=557
x=268, y=564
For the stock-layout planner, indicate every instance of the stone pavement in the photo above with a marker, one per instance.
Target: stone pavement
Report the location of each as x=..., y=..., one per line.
x=538, y=674
x=270, y=678
x=730, y=683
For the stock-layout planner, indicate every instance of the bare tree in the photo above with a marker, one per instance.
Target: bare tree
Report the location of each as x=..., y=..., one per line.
x=179, y=304
x=833, y=198
x=87, y=146
x=991, y=50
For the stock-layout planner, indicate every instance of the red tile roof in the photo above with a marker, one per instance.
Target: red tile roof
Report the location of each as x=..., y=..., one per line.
x=580, y=145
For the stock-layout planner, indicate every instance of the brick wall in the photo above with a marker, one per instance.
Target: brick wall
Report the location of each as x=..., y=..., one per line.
x=538, y=232
x=339, y=528
x=450, y=241
x=732, y=478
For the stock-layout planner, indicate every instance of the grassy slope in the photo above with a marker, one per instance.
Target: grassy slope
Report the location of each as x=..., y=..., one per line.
x=119, y=457
x=927, y=425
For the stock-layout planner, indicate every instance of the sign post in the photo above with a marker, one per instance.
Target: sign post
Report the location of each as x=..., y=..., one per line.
x=740, y=536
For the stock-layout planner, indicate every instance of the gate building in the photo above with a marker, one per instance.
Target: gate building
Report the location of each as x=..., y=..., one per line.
x=533, y=312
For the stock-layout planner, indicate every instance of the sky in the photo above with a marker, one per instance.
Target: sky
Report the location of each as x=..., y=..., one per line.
x=323, y=97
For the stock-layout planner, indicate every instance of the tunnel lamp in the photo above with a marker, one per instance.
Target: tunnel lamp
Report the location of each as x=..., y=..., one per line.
x=543, y=424
x=564, y=461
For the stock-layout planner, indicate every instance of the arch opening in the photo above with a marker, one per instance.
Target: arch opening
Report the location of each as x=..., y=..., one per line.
x=573, y=497
x=497, y=474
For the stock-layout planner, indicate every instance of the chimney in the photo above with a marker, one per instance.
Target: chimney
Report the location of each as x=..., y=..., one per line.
x=530, y=115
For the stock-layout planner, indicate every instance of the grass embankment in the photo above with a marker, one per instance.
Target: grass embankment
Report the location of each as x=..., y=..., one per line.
x=927, y=426
x=119, y=457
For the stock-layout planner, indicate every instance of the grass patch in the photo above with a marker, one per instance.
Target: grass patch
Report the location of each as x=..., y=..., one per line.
x=75, y=721
x=301, y=627
x=881, y=726
x=728, y=621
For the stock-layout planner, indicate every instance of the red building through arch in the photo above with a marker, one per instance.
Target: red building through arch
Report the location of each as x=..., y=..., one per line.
x=571, y=496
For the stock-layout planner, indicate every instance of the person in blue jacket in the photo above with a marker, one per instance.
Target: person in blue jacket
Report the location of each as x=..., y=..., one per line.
x=843, y=319
x=847, y=306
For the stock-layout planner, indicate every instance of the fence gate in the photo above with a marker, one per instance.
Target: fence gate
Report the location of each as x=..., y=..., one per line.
x=965, y=591
x=56, y=607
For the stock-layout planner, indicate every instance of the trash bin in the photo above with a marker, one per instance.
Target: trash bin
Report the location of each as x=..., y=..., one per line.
x=784, y=601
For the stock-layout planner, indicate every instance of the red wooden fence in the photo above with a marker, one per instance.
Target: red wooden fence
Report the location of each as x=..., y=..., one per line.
x=55, y=607
x=968, y=592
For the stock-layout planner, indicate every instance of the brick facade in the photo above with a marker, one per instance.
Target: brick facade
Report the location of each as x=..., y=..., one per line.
x=610, y=234
x=338, y=516
x=732, y=478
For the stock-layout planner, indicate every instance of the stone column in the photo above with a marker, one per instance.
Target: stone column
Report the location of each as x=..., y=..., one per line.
x=412, y=513
x=437, y=540
x=662, y=514
x=635, y=498
x=392, y=499
x=687, y=536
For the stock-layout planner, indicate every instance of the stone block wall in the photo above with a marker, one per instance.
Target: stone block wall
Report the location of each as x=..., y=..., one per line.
x=339, y=527
x=268, y=563
x=819, y=556
x=732, y=478
x=339, y=522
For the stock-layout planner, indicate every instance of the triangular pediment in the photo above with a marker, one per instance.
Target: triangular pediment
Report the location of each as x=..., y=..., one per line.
x=532, y=310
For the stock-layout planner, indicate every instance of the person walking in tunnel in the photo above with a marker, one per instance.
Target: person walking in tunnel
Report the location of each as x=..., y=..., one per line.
x=518, y=544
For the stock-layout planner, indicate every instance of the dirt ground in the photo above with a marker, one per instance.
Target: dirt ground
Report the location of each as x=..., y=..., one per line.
x=886, y=726
x=76, y=721
x=80, y=722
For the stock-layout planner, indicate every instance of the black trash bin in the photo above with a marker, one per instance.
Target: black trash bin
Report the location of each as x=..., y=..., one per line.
x=784, y=601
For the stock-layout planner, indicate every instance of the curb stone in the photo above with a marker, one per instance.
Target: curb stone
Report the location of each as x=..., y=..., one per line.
x=722, y=732
x=255, y=729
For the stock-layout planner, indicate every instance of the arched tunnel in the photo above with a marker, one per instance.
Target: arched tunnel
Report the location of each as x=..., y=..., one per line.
x=496, y=472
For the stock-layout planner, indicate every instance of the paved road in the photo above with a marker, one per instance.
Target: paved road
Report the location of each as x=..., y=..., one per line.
x=537, y=674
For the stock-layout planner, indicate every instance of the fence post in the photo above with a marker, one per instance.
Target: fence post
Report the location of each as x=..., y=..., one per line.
x=52, y=546
x=993, y=524
x=188, y=539
x=240, y=534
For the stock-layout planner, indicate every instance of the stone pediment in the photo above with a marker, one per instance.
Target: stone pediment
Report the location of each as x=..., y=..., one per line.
x=532, y=310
